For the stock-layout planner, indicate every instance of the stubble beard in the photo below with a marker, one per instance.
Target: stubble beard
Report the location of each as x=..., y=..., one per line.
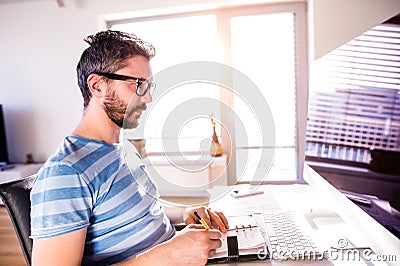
x=116, y=110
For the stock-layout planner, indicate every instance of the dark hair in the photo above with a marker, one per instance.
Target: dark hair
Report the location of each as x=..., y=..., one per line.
x=108, y=52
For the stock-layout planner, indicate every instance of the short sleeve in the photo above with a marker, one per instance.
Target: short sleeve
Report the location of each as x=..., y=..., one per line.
x=61, y=202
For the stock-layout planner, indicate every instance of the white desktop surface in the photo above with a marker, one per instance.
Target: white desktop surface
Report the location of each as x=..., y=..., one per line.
x=332, y=216
x=18, y=171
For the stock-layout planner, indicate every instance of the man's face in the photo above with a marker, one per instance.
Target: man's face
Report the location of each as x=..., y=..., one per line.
x=122, y=94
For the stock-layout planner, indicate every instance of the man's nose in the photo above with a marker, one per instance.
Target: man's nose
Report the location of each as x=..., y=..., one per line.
x=147, y=98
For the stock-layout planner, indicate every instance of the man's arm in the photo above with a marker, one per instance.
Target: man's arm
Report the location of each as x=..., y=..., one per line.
x=174, y=213
x=194, y=245
x=65, y=249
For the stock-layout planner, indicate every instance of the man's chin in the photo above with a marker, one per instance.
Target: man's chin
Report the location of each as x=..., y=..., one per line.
x=129, y=124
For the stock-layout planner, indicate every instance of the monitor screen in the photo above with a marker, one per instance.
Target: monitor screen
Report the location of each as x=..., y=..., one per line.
x=3, y=140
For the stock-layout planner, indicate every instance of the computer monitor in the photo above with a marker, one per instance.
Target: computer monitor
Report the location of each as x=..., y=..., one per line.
x=4, y=159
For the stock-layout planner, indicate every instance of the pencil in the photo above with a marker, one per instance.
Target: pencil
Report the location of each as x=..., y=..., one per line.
x=201, y=220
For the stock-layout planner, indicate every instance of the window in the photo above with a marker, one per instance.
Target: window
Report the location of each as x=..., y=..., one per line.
x=355, y=98
x=185, y=39
x=265, y=44
x=270, y=63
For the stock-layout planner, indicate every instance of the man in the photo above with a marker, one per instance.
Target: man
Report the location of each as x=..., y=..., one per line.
x=87, y=206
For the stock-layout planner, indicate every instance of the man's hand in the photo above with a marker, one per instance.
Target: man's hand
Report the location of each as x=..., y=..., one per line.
x=191, y=246
x=214, y=219
x=199, y=243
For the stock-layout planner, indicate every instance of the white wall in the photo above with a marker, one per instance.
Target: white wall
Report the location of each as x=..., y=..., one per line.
x=336, y=22
x=40, y=45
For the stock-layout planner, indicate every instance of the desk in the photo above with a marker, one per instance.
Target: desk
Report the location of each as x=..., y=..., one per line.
x=18, y=171
x=332, y=216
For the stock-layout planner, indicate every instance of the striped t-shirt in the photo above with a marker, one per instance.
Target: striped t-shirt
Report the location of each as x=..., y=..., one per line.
x=87, y=184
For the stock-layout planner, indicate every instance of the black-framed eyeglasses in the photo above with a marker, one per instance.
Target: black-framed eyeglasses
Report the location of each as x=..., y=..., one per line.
x=142, y=85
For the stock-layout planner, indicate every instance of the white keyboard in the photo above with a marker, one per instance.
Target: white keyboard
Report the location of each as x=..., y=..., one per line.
x=289, y=236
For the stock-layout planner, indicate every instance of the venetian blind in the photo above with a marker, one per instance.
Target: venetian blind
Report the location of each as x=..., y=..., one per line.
x=355, y=97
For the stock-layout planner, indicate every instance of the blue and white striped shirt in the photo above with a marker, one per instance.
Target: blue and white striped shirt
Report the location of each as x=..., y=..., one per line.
x=87, y=184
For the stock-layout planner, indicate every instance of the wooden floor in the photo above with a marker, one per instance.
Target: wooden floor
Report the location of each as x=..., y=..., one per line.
x=10, y=250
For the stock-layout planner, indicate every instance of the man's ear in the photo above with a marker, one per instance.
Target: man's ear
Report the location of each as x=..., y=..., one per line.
x=96, y=85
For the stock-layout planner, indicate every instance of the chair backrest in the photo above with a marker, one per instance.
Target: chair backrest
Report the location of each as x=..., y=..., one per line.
x=16, y=198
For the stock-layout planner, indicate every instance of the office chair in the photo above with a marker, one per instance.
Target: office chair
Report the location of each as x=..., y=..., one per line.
x=16, y=198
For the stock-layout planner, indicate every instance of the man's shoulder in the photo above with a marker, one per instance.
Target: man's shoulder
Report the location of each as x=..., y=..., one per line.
x=84, y=157
x=75, y=148
x=75, y=154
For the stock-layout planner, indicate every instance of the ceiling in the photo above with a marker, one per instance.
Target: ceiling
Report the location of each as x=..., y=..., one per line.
x=16, y=1
x=59, y=2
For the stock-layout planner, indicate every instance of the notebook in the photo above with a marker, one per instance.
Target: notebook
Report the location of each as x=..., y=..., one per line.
x=243, y=241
